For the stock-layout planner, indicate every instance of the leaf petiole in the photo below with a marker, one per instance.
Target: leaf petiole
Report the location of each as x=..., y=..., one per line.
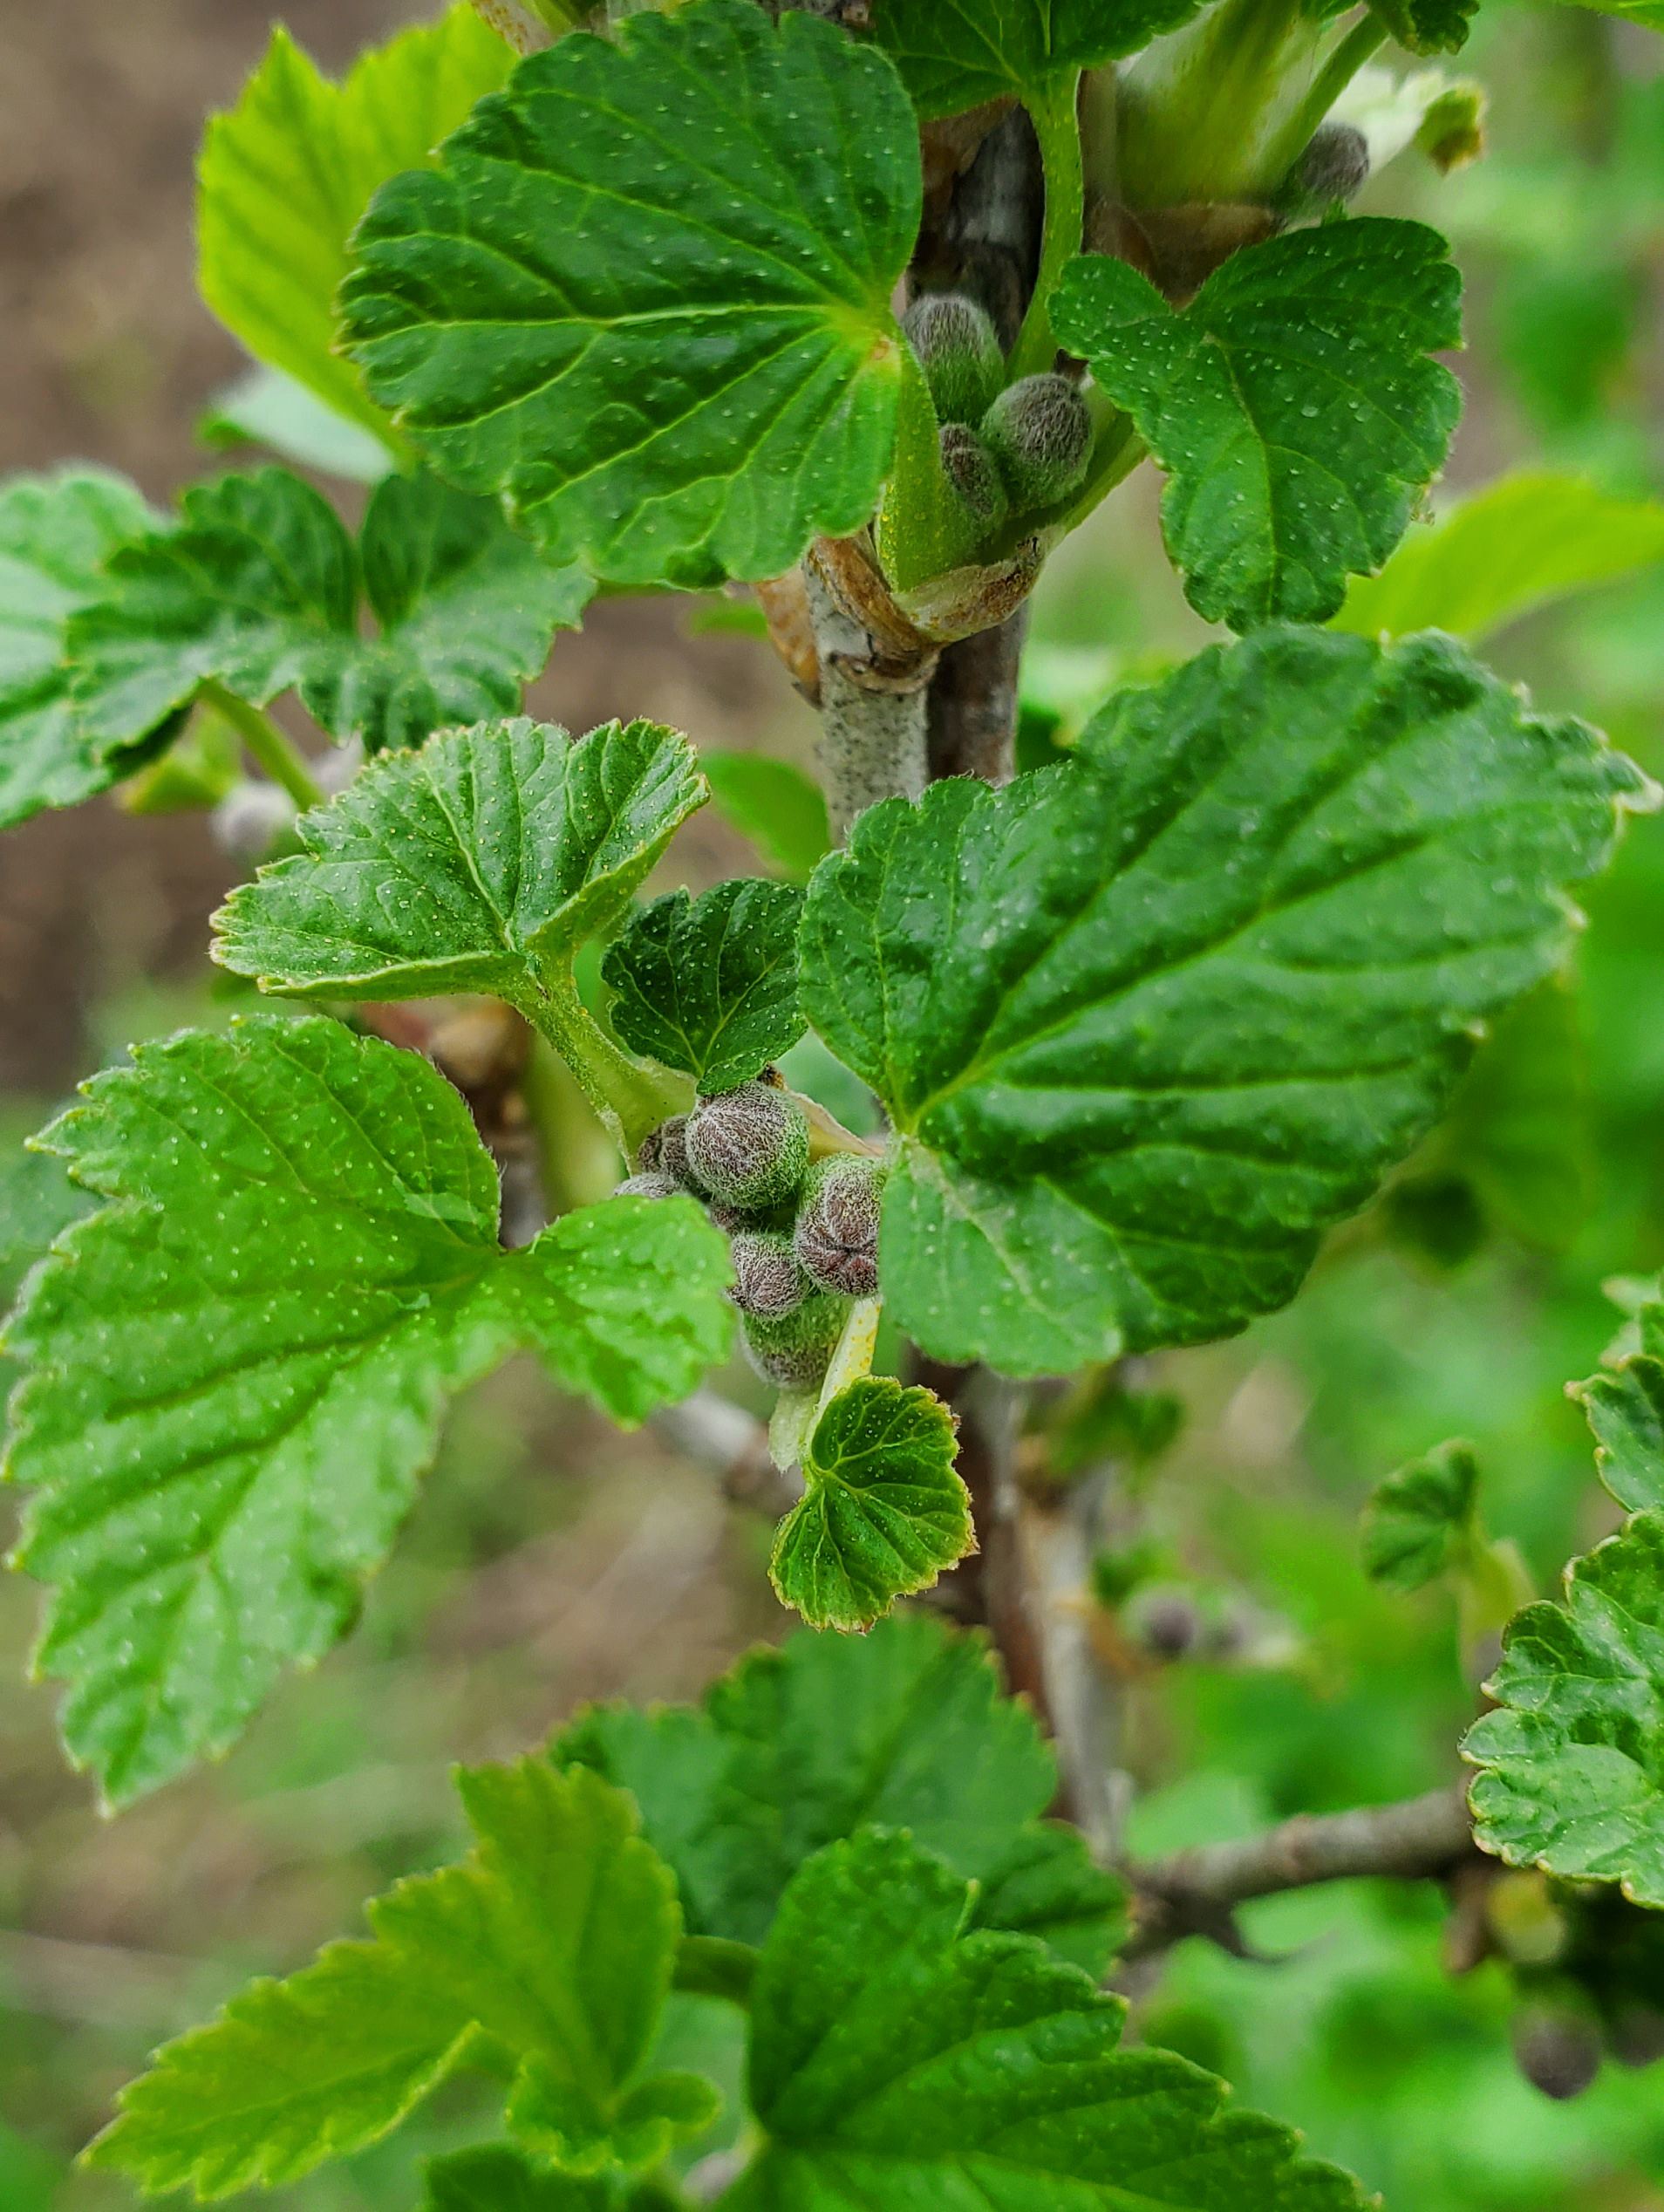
x=631, y=1097
x=275, y=752
x=1058, y=129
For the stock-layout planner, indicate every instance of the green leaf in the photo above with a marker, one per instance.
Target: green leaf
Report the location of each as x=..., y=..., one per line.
x=284, y=178
x=1292, y=403
x=711, y=215
x=1625, y=1407
x=904, y=1726
x=38, y=1201
x=240, y=1365
x=1428, y=26
x=1148, y=1023
x=1524, y=543
x=495, y=2178
x=884, y=1510
x=1421, y=1519
x=779, y=808
x=467, y=866
x=954, y=54
x=1570, y=1770
x=258, y=588
x=710, y=985
x=898, y=2061
x=267, y=407
x=55, y=534
x=550, y=1945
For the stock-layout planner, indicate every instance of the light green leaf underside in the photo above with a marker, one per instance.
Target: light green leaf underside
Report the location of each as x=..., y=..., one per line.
x=898, y=2062
x=465, y=866
x=1642, y=11
x=710, y=985
x=647, y=296
x=904, y=1726
x=954, y=54
x=1153, y=1020
x=1570, y=1768
x=56, y=533
x=268, y=407
x=1293, y=404
x=884, y=1510
x=260, y=588
x=1421, y=1518
x=552, y=1943
x=239, y=1367
x=779, y=808
x=1499, y=555
x=285, y=177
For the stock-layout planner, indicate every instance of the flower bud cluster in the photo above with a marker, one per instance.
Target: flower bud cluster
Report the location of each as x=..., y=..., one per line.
x=804, y=1238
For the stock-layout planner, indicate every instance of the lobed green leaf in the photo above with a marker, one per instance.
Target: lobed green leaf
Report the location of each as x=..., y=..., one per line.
x=258, y=587
x=710, y=985
x=239, y=1366
x=1148, y=1023
x=1570, y=1768
x=1428, y=26
x=285, y=176
x=549, y=1946
x=883, y=1511
x=470, y=865
x=955, y=54
x=647, y=295
x=1625, y=1407
x=1292, y=403
x=55, y=534
x=898, y=2060
x=906, y=1727
x=1419, y=1520
x=1521, y=545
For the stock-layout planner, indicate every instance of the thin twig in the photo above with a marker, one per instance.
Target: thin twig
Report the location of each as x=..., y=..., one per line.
x=727, y=1441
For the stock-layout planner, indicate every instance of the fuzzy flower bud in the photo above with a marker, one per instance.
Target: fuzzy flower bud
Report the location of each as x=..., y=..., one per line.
x=795, y=1351
x=771, y=1284
x=673, y=1154
x=1336, y=165
x=1039, y=431
x=836, y=1232
x=650, y=1184
x=1557, y=2049
x=969, y=467
x=958, y=350
x=748, y=1147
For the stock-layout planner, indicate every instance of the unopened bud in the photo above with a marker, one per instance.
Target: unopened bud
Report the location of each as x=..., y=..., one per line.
x=969, y=467
x=794, y=1352
x=958, y=350
x=1039, y=431
x=673, y=1154
x=1558, y=2051
x=1167, y=1624
x=748, y=1147
x=652, y=1184
x=648, y=1156
x=770, y=1284
x=836, y=1232
x=1453, y=129
x=1336, y=165
x=1637, y=2036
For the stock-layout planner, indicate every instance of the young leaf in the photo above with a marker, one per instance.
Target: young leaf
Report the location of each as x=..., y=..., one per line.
x=1428, y=26
x=1499, y=555
x=470, y=865
x=267, y=407
x=552, y=1944
x=240, y=1364
x=285, y=177
x=904, y=1726
x=779, y=808
x=896, y=2061
x=495, y=2178
x=884, y=1510
x=711, y=213
x=1625, y=1406
x=951, y=57
x=1572, y=1775
x=1148, y=1023
x=1420, y=1519
x=55, y=534
x=258, y=588
x=710, y=985
x=1292, y=403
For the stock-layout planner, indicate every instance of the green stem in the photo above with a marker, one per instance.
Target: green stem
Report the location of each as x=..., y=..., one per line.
x=1059, y=132
x=1365, y=38
x=280, y=759
x=631, y=1097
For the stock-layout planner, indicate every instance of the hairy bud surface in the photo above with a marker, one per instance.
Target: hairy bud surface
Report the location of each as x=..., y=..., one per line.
x=1039, y=431
x=748, y=1147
